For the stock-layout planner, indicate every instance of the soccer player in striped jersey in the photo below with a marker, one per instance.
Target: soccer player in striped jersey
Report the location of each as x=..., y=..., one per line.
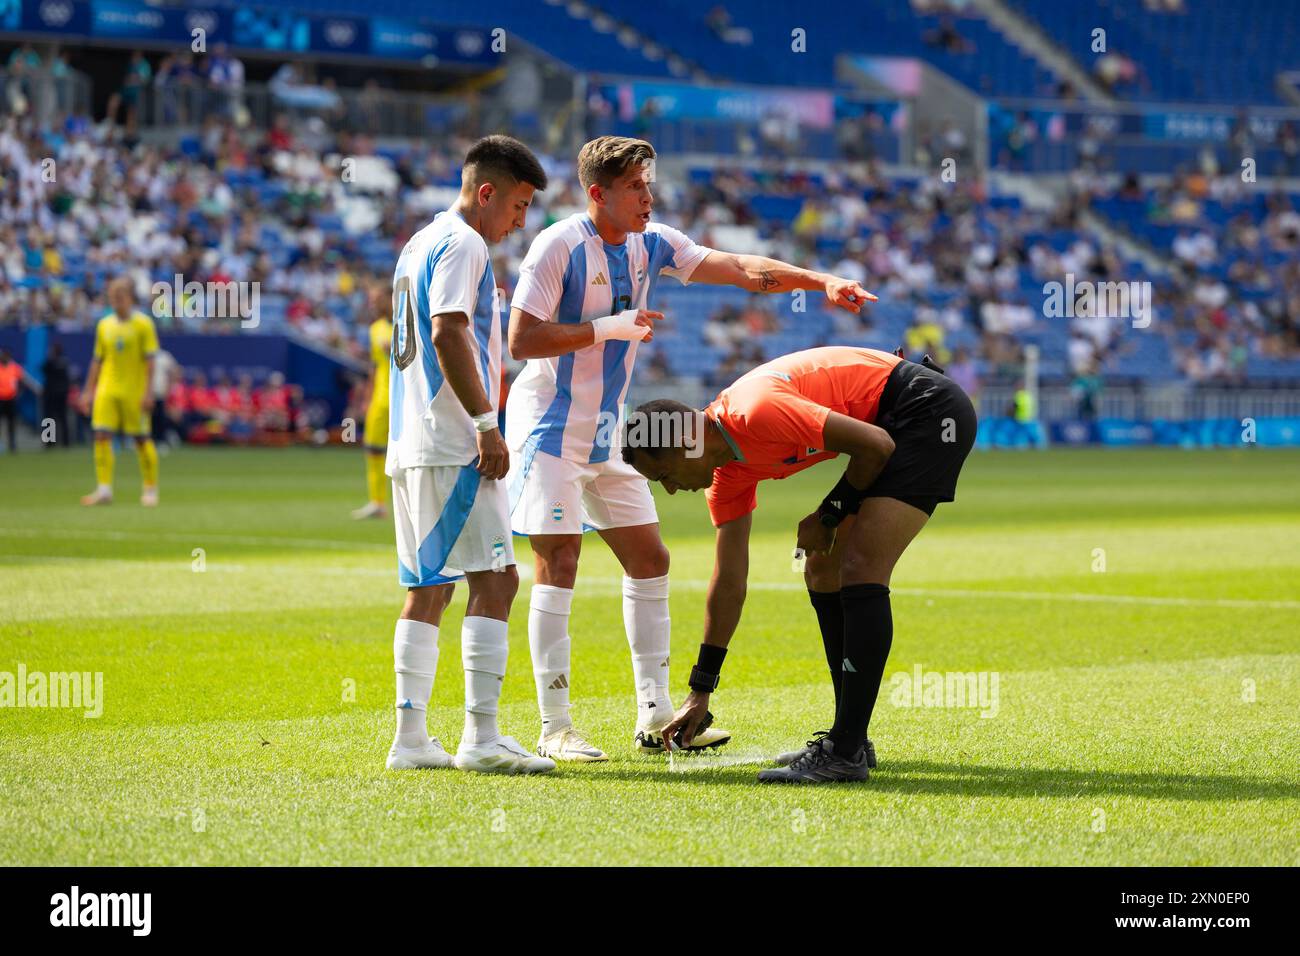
x=118, y=382
x=376, y=425
x=906, y=429
x=446, y=458
x=582, y=304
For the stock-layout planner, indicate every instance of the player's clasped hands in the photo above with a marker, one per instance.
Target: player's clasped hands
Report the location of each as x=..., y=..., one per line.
x=493, y=455
x=847, y=294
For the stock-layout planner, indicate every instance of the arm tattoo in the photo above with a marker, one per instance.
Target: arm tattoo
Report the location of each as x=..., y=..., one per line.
x=765, y=281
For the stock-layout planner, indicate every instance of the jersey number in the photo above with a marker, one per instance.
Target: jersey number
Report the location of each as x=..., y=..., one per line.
x=404, y=328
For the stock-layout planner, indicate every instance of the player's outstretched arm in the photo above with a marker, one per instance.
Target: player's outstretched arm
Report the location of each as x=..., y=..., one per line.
x=761, y=274
x=531, y=337
x=451, y=342
x=723, y=605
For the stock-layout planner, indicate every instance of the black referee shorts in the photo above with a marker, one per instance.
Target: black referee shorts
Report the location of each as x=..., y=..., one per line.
x=932, y=422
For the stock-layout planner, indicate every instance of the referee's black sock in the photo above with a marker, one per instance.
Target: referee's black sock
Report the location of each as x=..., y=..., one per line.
x=830, y=618
x=868, y=635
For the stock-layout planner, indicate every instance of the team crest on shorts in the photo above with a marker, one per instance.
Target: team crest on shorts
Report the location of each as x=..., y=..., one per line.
x=557, y=511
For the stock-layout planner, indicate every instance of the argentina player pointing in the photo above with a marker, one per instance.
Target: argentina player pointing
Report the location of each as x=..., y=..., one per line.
x=580, y=309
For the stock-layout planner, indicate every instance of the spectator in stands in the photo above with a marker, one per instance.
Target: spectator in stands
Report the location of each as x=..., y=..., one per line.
x=1086, y=388
x=273, y=401
x=1115, y=71
x=174, y=82
x=926, y=336
x=225, y=76
x=965, y=372
x=138, y=76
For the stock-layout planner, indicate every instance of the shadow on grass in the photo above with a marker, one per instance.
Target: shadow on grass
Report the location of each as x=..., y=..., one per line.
x=975, y=780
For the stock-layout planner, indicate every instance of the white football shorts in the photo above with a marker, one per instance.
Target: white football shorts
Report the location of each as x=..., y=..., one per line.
x=550, y=495
x=449, y=520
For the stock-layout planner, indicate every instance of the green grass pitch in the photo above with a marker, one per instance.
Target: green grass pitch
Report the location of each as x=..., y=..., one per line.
x=1147, y=713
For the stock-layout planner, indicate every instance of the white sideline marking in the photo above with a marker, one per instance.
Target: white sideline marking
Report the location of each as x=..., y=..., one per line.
x=1008, y=595
x=190, y=537
x=614, y=584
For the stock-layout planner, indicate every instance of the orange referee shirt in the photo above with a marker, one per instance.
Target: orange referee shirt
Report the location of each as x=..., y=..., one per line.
x=10, y=375
x=773, y=417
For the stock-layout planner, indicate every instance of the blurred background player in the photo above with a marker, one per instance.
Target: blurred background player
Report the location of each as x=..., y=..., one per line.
x=118, y=394
x=446, y=457
x=907, y=430
x=12, y=376
x=376, y=425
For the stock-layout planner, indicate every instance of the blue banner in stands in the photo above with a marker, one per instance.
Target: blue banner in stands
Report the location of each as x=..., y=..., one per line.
x=1191, y=433
x=293, y=30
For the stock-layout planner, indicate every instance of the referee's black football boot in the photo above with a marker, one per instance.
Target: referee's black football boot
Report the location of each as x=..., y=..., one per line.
x=788, y=757
x=819, y=764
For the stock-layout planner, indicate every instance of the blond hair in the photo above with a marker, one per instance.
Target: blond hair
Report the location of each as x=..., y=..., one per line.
x=606, y=158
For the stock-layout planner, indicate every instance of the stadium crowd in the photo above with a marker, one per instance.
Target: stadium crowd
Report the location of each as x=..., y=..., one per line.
x=315, y=216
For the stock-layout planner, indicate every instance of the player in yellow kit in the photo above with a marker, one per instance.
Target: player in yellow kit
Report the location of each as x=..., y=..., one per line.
x=120, y=372
x=376, y=434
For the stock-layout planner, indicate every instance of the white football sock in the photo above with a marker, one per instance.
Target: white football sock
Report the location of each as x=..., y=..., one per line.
x=649, y=634
x=548, y=641
x=484, y=646
x=415, y=659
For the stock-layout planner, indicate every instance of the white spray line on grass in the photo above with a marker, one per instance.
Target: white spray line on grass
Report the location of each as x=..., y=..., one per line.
x=686, y=762
x=189, y=537
x=615, y=584
x=1008, y=595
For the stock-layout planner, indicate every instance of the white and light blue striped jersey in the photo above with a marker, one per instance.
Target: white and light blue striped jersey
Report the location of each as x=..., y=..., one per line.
x=444, y=268
x=568, y=406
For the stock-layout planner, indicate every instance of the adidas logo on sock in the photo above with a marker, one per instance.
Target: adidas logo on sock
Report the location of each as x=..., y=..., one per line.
x=560, y=683
x=848, y=666
x=665, y=663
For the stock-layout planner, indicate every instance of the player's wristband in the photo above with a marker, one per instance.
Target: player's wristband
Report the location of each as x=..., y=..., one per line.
x=620, y=325
x=844, y=500
x=708, y=668
x=485, y=422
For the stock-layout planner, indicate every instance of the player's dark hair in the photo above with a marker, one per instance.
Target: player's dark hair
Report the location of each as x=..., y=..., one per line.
x=497, y=158
x=652, y=441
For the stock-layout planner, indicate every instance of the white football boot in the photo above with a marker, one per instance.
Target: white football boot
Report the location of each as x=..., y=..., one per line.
x=569, y=745
x=502, y=755
x=432, y=756
x=370, y=509
x=649, y=740
x=100, y=496
x=149, y=496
